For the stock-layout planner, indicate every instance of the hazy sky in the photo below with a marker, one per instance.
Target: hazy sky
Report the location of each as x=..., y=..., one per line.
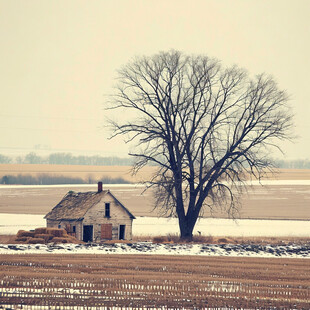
x=58, y=60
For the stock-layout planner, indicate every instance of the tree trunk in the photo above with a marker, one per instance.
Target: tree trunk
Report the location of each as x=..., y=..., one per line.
x=186, y=228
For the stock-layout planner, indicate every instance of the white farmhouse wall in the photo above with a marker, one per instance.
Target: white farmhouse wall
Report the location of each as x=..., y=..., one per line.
x=118, y=216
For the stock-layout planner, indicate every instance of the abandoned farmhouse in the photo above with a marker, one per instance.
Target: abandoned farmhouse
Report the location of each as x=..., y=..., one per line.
x=92, y=216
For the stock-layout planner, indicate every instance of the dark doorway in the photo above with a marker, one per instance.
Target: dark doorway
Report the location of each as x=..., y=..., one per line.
x=87, y=233
x=122, y=232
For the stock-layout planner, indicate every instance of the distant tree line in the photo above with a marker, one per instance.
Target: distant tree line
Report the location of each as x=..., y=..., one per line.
x=96, y=160
x=292, y=164
x=45, y=179
x=66, y=159
x=5, y=159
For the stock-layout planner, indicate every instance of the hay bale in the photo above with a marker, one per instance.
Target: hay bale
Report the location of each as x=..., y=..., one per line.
x=46, y=237
x=56, y=232
x=24, y=233
x=36, y=241
x=59, y=240
x=22, y=239
x=41, y=230
x=19, y=233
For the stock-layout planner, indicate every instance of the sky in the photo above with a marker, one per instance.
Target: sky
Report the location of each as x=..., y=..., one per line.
x=59, y=61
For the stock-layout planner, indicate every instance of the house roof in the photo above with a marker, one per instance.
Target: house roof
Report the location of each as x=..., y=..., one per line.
x=74, y=206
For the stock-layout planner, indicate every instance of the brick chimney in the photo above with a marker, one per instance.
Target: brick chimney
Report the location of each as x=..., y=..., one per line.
x=99, y=187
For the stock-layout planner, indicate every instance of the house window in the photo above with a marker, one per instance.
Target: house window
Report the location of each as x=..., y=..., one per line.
x=73, y=229
x=107, y=209
x=59, y=226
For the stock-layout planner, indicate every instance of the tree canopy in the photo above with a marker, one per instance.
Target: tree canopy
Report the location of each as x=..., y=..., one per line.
x=207, y=128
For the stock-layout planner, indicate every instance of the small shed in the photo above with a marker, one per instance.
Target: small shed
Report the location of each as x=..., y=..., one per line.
x=92, y=216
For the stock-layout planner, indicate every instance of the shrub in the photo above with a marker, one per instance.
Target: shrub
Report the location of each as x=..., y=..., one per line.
x=203, y=239
x=174, y=238
x=160, y=239
x=225, y=240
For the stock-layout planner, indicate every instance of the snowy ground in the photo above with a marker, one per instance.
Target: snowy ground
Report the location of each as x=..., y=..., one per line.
x=244, y=250
x=152, y=226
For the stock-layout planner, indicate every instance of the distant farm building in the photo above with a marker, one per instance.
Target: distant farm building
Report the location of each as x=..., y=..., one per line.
x=92, y=216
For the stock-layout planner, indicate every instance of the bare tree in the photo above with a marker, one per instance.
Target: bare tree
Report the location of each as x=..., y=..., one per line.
x=206, y=128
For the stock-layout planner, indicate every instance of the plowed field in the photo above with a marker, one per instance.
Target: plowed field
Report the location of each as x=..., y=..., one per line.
x=153, y=281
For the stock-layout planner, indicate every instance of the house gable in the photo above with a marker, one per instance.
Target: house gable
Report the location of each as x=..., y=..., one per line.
x=117, y=210
x=74, y=206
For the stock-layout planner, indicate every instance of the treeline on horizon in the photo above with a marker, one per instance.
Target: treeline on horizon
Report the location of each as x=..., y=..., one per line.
x=45, y=179
x=96, y=160
x=66, y=159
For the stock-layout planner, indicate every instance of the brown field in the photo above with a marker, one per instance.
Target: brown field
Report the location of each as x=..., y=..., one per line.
x=267, y=202
x=154, y=281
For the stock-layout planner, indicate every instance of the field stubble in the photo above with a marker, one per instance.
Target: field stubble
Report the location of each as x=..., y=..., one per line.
x=156, y=281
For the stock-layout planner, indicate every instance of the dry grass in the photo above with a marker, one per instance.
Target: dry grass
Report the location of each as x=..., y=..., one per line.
x=6, y=239
x=10, y=239
x=225, y=240
x=143, y=281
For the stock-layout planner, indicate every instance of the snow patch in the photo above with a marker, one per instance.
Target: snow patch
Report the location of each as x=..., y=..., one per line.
x=233, y=250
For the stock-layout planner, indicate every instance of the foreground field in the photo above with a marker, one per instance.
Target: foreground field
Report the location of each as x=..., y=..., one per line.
x=153, y=281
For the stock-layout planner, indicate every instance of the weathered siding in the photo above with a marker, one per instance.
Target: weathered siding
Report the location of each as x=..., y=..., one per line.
x=118, y=216
x=51, y=223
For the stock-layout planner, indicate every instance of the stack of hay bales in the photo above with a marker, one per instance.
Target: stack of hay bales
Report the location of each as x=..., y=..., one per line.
x=45, y=235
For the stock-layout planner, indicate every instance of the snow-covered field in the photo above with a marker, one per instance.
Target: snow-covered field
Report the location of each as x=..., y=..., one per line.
x=244, y=250
x=152, y=226
x=224, y=227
